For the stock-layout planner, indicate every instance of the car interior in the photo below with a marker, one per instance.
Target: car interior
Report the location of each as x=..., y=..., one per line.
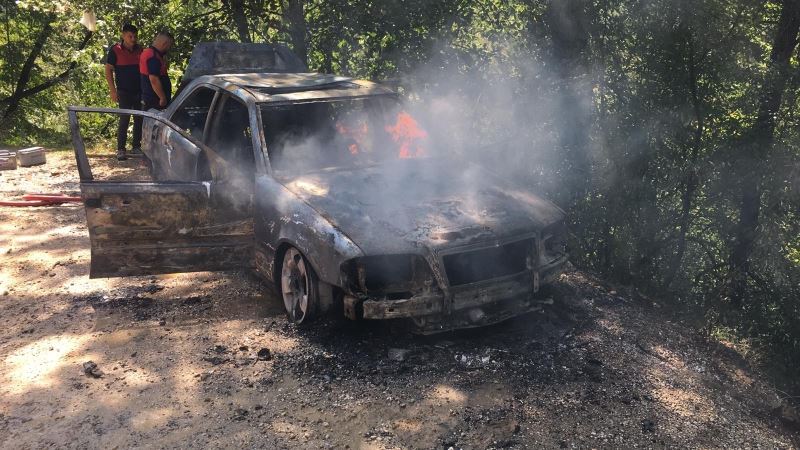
x=191, y=116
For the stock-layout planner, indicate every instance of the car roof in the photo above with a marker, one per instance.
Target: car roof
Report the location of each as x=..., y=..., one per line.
x=290, y=87
x=214, y=58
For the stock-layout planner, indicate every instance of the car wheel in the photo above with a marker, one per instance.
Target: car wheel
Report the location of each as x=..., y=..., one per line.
x=299, y=287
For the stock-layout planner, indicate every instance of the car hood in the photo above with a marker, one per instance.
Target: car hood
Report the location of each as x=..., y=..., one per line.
x=409, y=205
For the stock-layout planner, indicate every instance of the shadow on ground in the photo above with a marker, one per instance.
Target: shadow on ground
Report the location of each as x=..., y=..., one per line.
x=209, y=360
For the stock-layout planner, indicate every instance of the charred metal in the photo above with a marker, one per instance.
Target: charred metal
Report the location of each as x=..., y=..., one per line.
x=307, y=179
x=480, y=284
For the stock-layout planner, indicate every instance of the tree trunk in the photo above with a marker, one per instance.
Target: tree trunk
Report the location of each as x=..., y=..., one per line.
x=568, y=29
x=691, y=183
x=21, y=92
x=294, y=15
x=327, y=59
x=237, y=13
x=12, y=102
x=749, y=165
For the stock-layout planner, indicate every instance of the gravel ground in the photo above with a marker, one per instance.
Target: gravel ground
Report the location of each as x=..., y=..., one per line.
x=208, y=360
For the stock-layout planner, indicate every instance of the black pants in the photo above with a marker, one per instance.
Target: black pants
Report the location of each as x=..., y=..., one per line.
x=129, y=101
x=150, y=104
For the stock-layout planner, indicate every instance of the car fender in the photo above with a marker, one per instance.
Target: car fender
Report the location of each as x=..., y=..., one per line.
x=287, y=220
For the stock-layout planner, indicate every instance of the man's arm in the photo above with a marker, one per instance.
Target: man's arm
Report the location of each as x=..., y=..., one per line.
x=112, y=88
x=155, y=81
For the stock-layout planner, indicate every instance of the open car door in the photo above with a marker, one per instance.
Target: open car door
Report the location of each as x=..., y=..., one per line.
x=146, y=227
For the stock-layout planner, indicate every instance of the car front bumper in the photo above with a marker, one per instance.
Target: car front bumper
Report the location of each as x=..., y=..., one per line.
x=471, y=305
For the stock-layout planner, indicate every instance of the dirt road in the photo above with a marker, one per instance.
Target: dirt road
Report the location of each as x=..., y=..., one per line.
x=208, y=360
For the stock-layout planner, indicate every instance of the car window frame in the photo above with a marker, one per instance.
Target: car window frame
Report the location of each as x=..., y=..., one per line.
x=188, y=94
x=173, y=106
x=262, y=131
x=84, y=169
x=218, y=240
x=260, y=161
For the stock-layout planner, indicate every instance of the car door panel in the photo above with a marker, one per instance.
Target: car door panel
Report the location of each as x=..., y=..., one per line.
x=179, y=160
x=151, y=228
x=143, y=228
x=172, y=155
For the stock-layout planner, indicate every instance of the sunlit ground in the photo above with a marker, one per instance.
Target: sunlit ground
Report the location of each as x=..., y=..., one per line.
x=589, y=382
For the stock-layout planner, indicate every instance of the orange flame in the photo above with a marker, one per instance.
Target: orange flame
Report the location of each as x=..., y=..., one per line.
x=408, y=134
x=358, y=134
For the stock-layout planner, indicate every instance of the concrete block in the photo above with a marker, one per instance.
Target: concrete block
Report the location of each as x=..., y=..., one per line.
x=31, y=156
x=8, y=160
x=7, y=163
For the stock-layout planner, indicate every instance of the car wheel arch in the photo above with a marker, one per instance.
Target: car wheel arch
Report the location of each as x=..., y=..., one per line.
x=325, y=290
x=281, y=248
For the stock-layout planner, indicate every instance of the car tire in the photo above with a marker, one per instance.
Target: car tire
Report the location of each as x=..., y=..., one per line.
x=299, y=287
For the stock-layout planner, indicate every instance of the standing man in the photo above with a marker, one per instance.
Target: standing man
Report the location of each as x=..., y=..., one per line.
x=122, y=76
x=156, y=87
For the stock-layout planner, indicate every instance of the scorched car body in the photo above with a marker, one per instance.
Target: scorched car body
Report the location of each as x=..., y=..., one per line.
x=264, y=170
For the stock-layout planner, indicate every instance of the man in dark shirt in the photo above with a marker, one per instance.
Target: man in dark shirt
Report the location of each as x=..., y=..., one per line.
x=156, y=87
x=122, y=75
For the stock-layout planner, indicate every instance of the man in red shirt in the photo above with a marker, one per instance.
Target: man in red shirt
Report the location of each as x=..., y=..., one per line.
x=122, y=75
x=155, y=83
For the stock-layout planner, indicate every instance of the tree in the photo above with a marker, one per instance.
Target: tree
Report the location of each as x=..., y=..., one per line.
x=567, y=23
x=236, y=9
x=22, y=88
x=757, y=145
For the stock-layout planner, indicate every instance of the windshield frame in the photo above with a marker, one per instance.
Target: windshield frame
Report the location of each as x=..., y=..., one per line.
x=285, y=174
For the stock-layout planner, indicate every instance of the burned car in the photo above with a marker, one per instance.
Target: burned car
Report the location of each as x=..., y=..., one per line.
x=324, y=185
